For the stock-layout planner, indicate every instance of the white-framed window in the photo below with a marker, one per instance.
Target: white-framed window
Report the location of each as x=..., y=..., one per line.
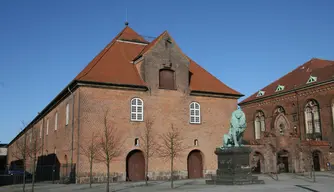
x=195, y=113
x=47, y=126
x=137, y=109
x=311, y=79
x=260, y=93
x=56, y=121
x=67, y=114
x=279, y=88
x=259, y=124
x=312, y=119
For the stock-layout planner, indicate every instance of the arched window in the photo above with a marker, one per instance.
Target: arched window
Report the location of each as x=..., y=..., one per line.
x=195, y=113
x=259, y=124
x=312, y=120
x=279, y=110
x=166, y=79
x=137, y=109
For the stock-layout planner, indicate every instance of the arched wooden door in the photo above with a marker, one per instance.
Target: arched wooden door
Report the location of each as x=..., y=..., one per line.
x=135, y=166
x=195, y=165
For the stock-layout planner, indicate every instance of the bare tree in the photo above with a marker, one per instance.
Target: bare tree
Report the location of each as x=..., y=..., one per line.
x=148, y=144
x=171, y=147
x=307, y=150
x=20, y=153
x=270, y=145
x=90, y=150
x=110, y=145
x=32, y=151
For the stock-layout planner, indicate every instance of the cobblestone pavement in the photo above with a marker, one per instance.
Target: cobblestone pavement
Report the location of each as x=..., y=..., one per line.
x=287, y=182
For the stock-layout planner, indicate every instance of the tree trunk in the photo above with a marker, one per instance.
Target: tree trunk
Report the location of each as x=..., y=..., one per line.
x=91, y=174
x=108, y=165
x=146, y=170
x=33, y=174
x=24, y=175
x=171, y=173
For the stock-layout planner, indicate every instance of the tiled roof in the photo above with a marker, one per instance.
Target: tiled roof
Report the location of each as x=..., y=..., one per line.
x=114, y=65
x=322, y=70
x=202, y=80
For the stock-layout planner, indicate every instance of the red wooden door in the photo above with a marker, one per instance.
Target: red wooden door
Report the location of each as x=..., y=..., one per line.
x=195, y=165
x=136, y=166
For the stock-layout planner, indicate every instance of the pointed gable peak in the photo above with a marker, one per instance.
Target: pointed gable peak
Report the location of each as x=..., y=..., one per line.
x=128, y=34
x=163, y=36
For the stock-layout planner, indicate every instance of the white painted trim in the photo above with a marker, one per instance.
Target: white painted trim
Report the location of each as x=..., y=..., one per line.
x=131, y=42
x=136, y=113
x=194, y=109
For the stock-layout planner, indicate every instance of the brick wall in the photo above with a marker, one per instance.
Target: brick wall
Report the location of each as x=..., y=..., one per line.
x=163, y=107
x=294, y=104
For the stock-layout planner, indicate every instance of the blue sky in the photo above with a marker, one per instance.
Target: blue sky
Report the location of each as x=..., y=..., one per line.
x=246, y=44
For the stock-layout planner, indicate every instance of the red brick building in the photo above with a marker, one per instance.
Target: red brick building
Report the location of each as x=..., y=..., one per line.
x=291, y=120
x=135, y=80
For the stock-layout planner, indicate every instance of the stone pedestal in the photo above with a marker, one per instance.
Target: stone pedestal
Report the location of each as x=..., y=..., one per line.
x=233, y=167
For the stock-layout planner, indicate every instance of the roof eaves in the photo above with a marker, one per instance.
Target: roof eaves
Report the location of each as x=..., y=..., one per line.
x=215, y=94
x=282, y=93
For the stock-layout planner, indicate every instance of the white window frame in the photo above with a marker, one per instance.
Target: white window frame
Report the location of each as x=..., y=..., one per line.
x=67, y=114
x=279, y=88
x=311, y=79
x=135, y=114
x=192, y=113
x=260, y=93
x=56, y=121
x=47, y=127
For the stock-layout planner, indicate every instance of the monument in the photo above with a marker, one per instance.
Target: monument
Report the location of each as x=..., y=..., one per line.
x=233, y=158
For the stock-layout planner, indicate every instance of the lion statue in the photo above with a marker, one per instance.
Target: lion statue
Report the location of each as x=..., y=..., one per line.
x=237, y=128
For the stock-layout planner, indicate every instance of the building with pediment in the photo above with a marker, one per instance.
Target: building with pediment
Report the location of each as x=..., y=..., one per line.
x=290, y=121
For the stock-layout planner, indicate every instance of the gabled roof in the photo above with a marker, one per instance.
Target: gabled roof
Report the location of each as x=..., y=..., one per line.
x=114, y=65
x=323, y=70
x=202, y=80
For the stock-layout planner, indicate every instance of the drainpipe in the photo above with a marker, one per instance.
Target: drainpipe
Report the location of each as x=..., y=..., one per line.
x=71, y=172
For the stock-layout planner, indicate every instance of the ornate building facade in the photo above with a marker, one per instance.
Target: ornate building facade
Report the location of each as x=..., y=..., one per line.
x=290, y=122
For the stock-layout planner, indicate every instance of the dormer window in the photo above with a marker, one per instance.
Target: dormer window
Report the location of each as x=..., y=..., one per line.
x=312, y=79
x=280, y=88
x=260, y=93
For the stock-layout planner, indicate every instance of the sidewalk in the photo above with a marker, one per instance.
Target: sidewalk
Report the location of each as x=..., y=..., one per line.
x=286, y=183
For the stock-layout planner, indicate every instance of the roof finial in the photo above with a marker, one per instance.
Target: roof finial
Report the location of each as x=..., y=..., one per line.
x=126, y=17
